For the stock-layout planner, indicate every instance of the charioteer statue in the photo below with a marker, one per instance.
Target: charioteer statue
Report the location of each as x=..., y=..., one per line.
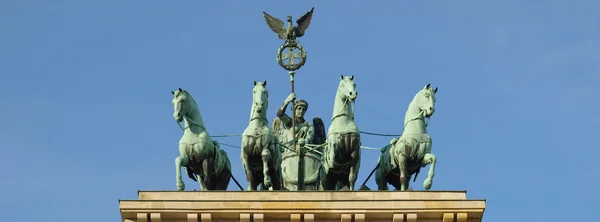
x=304, y=130
x=305, y=133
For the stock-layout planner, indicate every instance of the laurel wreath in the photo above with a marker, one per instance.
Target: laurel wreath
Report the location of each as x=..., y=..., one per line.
x=294, y=45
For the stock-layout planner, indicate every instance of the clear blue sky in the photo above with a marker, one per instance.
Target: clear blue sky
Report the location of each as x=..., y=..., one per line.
x=86, y=114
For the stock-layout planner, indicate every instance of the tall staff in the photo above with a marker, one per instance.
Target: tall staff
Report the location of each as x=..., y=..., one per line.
x=301, y=150
x=292, y=66
x=289, y=34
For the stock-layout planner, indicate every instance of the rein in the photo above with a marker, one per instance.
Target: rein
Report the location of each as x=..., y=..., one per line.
x=416, y=118
x=342, y=110
x=189, y=121
x=259, y=118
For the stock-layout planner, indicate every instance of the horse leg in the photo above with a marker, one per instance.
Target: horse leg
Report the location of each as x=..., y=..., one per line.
x=402, y=168
x=208, y=166
x=181, y=161
x=355, y=158
x=380, y=179
x=200, y=177
x=429, y=158
x=391, y=178
x=263, y=187
x=224, y=179
x=330, y=181
x=266, y=154
x=276, y=177
x=276, y=174
x=249, y=173
x=354, y=167
x=246, y=164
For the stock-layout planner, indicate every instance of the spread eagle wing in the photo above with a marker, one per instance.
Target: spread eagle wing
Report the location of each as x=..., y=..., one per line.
x=303, y=23
x=279, y=132
x=276, y=25
x=319, y=128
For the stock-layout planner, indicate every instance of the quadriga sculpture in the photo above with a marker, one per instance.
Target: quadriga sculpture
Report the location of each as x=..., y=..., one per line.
x=200, y=155
x=341, y=158
x=406, y=155
x=261, y=155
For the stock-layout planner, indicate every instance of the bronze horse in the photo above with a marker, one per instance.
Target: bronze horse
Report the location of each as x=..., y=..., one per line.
x=341, y=159
x=261, y=156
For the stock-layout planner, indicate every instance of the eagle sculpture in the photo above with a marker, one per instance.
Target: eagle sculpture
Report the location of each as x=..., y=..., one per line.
x=291, y=32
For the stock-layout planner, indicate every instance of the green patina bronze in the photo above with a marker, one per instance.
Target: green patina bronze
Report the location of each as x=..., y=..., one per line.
x=287, y=60
x=341, y=158
x=305, y=134
x=198, y=153
x=291, y=32
x=290, y=35
x=261, y=155
x=298, y=160
x=295, y=154
x=405, y=156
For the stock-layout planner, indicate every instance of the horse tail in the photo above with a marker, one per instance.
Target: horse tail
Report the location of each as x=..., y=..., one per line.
x=385, y=159
x=222, y=161
x=225, y=158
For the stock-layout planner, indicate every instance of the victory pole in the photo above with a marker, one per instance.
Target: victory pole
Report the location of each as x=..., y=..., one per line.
x=292, y=66
x=291, y=44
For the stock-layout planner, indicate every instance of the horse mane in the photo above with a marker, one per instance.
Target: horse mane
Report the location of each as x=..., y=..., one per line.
x=189, y=96
x=192, y=107
x=412, y=103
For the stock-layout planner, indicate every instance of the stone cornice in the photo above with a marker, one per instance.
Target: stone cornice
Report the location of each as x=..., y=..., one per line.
x=320, y=205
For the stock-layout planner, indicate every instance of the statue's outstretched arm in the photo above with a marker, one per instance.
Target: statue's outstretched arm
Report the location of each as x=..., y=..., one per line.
x=281, y=112
x=282, y=116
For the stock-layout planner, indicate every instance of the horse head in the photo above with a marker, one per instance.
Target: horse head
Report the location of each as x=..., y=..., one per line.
x=347, y=88
x=180, y=106
x=426, y=100
x=260, y=97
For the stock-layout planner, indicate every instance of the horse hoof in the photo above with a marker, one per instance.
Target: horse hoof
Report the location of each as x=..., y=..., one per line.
x=268, y=182
x=180, y=186
x=427, y=184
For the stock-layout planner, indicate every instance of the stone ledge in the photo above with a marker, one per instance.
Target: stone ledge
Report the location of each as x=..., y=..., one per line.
x=301, y=195
x=262, y=206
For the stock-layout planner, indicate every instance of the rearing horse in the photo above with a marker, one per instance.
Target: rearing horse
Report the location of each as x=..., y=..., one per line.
x=197, y=152
x=341, y=159
x=261, y=157
x=407, y=154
